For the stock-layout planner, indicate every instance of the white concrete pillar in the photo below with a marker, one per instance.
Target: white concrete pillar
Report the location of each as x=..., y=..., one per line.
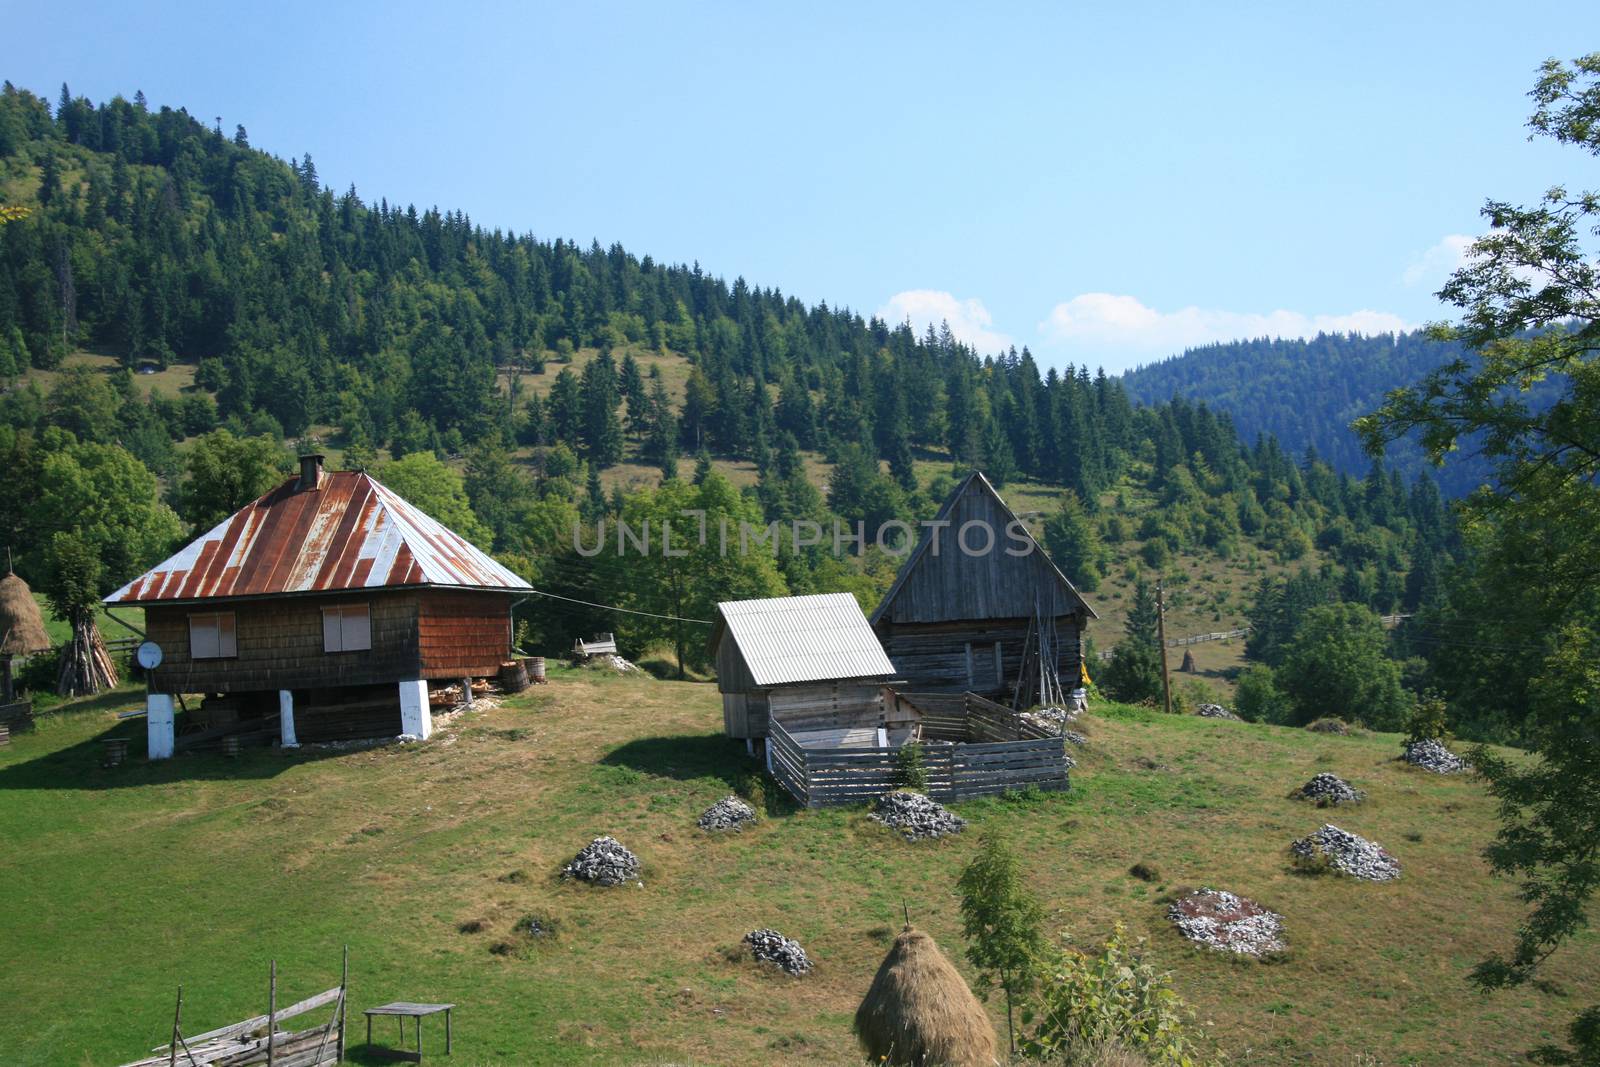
x=286, y=719
x=416, y=717
x=159, y=724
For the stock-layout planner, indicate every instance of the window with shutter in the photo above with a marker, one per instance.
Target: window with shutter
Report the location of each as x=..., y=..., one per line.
x=347, y=628
x=213, y=636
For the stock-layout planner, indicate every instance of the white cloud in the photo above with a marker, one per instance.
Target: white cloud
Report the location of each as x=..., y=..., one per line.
x=1121, y=331
x=1436, y=264
x=969, y=320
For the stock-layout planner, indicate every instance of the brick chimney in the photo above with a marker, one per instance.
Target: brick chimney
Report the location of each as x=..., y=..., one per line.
x=310, y=473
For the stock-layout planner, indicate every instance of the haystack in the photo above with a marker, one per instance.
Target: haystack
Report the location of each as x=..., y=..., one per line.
x=919, y=1011
x=21, y=628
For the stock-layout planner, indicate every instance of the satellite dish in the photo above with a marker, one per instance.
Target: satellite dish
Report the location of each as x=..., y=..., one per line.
x=149, y=655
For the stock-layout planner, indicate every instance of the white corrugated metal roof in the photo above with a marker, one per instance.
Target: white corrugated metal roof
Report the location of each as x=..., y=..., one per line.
x=805, y=639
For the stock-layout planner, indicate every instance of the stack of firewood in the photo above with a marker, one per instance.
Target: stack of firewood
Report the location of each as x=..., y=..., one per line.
x=86, y=666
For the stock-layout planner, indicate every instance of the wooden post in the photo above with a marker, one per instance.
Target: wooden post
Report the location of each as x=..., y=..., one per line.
x=1161, y=639
x=272, y=1011
x=344, y=996
x=177, y=1031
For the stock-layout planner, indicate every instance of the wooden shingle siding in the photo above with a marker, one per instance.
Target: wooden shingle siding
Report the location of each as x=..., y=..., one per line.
x=424, y=633
x=463, y=634
x=280, y=646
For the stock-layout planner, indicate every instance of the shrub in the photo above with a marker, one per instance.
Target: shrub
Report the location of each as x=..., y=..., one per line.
x=1116, y=998
x=1133, y=673
x=1429, y=719
x=1258, y=699
x=910, y=771
x=1338, y=663
x=1154, y=553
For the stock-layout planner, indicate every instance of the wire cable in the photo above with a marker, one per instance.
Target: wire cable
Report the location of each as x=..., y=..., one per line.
x=613, y=607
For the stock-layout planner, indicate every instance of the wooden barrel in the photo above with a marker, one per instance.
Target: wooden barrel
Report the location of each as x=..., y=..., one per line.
x=230, y=746
x=513, y=677
x=534, y=665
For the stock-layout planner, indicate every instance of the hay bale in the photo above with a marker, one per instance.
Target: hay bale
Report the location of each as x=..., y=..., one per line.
x=920, y=1012
x=21, y=623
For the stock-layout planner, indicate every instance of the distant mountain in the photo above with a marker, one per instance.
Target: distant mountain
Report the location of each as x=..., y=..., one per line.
x=1306, y=393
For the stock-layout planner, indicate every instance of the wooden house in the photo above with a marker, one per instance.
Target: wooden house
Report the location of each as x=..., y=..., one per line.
x=977, y=600
x=809, y=662
x=321, y=610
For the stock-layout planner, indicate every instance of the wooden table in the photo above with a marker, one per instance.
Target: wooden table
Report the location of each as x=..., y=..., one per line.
x=403, y=1010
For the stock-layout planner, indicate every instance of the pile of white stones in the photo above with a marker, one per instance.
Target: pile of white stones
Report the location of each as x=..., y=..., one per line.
x=769, y=946
x=1329, y=789
x=729, y=813
x=1075, y=738
x=916, y=816
x=1347, y=853
x=1228, y=923
x=1215, y=711
x=603, y=861
x=1431, y=755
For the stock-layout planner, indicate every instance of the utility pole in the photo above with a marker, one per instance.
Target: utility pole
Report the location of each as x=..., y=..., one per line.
x=1161, y=639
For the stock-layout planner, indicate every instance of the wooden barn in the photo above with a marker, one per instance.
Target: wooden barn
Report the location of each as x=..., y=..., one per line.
x=320, y=611
x=982, y=609
x=809, y=662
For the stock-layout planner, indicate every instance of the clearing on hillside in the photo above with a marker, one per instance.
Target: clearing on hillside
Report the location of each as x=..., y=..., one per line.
x=423, y=858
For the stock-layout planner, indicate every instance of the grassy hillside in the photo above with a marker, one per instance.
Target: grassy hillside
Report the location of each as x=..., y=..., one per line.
x=121, y=884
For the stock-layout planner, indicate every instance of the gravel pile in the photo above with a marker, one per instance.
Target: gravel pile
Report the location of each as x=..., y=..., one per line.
x=603, y=861
x=769, y=946
x=1057, y=714
x=1329, y=789
x=1228, y=923
x=729, y=813
x=1348, y=854
x=916, y=816
x=1431, y=755
x=1215, y=711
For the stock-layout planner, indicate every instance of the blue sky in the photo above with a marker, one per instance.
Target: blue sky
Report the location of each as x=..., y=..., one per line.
x=1105, y=183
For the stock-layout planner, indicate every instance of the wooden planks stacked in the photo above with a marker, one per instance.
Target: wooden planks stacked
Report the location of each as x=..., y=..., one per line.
x=18, y=716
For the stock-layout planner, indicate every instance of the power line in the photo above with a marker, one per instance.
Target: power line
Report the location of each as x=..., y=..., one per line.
x=613, y=607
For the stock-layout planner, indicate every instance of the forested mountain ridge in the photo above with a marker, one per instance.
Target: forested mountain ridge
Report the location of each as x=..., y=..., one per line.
x=407, y=339
x=1307, y=392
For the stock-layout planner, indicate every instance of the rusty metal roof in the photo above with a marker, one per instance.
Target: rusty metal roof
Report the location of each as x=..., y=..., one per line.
x=348, y=533
x=803, y=638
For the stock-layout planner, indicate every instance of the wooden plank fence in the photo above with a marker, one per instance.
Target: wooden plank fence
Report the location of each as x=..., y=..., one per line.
x=1006, y=753
x=260, y=1040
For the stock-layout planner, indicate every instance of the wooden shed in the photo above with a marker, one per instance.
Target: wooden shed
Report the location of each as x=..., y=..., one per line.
x=809, y=662
x=320, y=611
x=977, y=602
